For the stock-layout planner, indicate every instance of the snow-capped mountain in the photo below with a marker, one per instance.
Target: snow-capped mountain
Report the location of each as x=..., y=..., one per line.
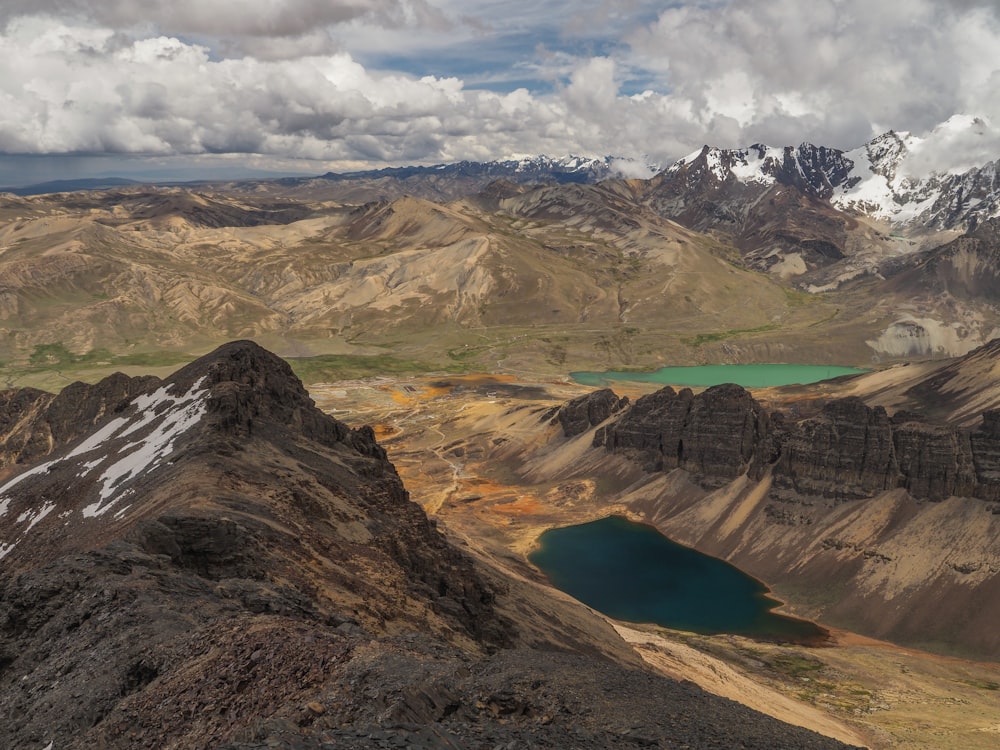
x=541, y=168
x=456, y=180
x=898, y=178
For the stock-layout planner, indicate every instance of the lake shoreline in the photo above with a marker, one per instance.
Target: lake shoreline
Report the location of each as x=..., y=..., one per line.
x=634, y=573
x=703, y=376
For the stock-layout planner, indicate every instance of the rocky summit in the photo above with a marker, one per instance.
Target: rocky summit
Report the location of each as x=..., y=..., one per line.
x=211, y=561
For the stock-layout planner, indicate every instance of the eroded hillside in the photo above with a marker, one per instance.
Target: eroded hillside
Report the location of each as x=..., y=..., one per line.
x=536, y=279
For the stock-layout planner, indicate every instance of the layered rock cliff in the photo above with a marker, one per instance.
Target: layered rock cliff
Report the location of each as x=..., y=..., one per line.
x=886, y=526
x=848, y=451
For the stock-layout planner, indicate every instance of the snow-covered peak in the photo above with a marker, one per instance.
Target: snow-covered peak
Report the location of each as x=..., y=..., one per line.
x=596, y=166
x=943, y=179
x=885, y=152
x=813, y=167
x=962, y=124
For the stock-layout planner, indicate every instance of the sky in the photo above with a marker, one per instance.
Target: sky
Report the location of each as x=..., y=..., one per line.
x=228, y=87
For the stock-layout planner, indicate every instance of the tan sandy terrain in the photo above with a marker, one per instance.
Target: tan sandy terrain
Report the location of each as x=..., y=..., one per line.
x=475, y=452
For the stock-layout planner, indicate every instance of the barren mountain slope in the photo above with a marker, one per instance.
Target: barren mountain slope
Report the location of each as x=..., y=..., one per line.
x=886, y=526
x=488, y=458
x=518, y=277
x=592, y=275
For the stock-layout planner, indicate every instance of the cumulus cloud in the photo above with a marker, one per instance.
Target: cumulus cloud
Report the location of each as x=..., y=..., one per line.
x=68, y=89
x=222, y=18
x=829, y=69
x=292, y=80
x=957, y=145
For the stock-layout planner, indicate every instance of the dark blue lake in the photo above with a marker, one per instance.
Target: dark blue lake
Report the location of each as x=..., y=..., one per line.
x=631, y=572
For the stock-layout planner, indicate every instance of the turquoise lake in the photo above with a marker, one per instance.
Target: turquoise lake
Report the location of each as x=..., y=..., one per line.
x=631, y=572
x=749, y=376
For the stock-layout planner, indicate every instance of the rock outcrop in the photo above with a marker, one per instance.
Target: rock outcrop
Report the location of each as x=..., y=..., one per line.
x=845, y=453
x=580, y=414
x=849, y=451
x=717, y=435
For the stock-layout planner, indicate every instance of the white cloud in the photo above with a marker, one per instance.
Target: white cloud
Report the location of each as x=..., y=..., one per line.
x=827, y=68
x=287, y=79
x=233, y=18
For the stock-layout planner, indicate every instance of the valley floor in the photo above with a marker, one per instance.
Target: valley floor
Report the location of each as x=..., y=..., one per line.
x=460, y=443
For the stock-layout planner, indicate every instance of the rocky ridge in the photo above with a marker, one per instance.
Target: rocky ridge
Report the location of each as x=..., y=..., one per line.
x=847, y=451
x=884, y=524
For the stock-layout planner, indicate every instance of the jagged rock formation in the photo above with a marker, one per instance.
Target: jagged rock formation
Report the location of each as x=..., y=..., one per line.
x=587, y=411
x=35, y=422
x=873, y=180
x=745, y=193
x=210, y=561
x=716, y=435
x=886, y=526
x=848, y=451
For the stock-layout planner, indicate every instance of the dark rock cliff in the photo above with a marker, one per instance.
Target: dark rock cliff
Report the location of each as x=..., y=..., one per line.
x=848, y=451
x=717, y=435
x=580, y=414
x=34, y=423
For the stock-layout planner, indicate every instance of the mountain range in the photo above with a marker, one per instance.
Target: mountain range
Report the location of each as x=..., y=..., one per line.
x=709, y=260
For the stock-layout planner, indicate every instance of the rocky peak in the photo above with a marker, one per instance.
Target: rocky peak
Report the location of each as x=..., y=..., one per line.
x=108, y=445
x=874, y=179
x=216, y=514
x=590, y=410
x=885, y=152
x=815, y=170
x=252, y=391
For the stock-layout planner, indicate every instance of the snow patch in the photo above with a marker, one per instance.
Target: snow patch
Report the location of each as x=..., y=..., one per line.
x=139, y=457
x=5, y=499
x=47, y=508
x=6, y=548
x=87, y=466
x=748, y=168
x=714, y=161
x=174, y=414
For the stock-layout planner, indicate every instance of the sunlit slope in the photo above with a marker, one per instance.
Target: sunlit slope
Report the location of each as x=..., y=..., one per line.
x=576, y=272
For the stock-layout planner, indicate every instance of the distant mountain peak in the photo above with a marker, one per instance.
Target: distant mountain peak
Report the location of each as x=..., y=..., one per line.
x=895, y=177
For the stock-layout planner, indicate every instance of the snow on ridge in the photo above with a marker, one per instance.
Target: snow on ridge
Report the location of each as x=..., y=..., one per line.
x=5, y=498
x=38, y=515
x=169, y=416
x=138, y=457
x=748, y=168
x=714, y=161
